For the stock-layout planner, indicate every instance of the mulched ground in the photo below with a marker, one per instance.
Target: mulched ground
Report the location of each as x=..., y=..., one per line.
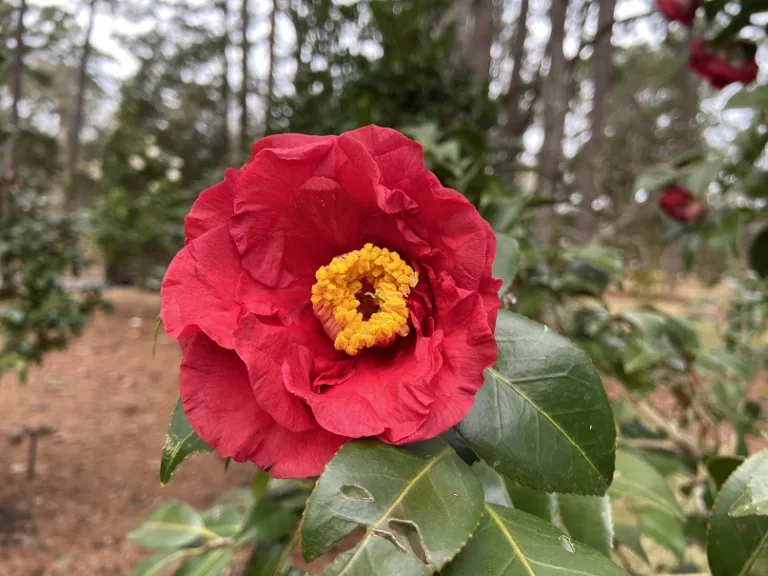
x=96, y=476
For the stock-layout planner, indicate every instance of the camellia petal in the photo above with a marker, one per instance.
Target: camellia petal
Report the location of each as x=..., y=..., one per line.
x=214, y=207
x=217, y=397
x=197, y=291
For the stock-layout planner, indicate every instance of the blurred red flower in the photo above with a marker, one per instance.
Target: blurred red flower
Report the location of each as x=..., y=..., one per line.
x=679, y=10
x=330, y=289
x=735, y=63
x=679, y=204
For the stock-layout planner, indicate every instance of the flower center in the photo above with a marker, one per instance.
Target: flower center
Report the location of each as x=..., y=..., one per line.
x=360, y=298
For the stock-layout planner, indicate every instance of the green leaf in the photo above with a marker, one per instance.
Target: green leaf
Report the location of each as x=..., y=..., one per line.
x=267, y=522
x=629, y=535
x=509, y=542
x=656, y=178
x=702, y=176
x=755, y=98
x=506, y=262
x=210, y=563
x=588, y=520
x=531, y=501
x=737, y=546
x=643, y=485
x=381, y=556
x=223, y=520
x=418, y=504
x=494, y=488
x=158, y=324
x=181, y=442
x=542, y=418
x=754, y=499
x=665, y=529
x=158, y=563
x=758, y=253
x=172, y=525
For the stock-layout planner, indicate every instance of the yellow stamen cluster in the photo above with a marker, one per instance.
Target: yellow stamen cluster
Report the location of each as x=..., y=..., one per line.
x=335, y=298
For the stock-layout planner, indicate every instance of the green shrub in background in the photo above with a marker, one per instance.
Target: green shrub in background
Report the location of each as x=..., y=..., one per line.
x=40, y=254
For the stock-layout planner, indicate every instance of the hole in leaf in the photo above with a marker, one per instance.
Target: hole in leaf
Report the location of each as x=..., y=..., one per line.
x=356, y=492
x=566, y=543
x=389, y=537
x=411, y=533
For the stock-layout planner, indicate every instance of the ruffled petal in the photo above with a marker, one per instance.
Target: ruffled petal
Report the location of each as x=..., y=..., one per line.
x=219, y=403
x=262, y=347
x=199, y=288
x=213, y=206
x=465, y=355
x=383, y=392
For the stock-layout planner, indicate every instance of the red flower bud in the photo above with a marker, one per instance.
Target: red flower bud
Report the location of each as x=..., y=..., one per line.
x=735, y=63
x=679, y=204
x=683, y=11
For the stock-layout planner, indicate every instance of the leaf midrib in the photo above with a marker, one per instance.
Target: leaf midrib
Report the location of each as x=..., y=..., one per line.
x=754, y=556
x=370, y=531
x=505, y=532
x=557, y=426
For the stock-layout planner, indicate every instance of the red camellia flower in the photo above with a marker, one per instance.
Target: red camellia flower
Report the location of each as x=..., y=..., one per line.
x=736, y=63
x=679, y=10
x=330, y=289
x=679, y=204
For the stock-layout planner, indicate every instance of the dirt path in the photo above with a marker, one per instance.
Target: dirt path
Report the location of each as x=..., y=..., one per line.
x=109, y=402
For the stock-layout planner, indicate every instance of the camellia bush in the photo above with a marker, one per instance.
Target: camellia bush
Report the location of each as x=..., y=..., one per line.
x=38, y=252
x=419, y=383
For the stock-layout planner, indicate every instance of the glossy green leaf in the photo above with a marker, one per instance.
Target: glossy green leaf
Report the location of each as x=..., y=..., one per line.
x=379, y=556
x=664, y=528
x=171, y=525
x=531, y=501
x=158, y=563
x=588, y=520
x=758, y=253
x=267, y=521
x=737, y=546
x=210, y=563
x=643, y=485
x=506, y=262
x=223, y=520
x=181, y=442
x=419, y=506
x=542, y=418
x=754, y=499
x=509, y=542
x=494, y=487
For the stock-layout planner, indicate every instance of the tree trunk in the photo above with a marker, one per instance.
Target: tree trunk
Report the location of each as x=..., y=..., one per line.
x=556, y=87
x=225, y=143
x=602, y=69
x=12, y=150
x=270, y=95
x=482, y=39
x=73, y=148
x=514, y=93
x=246, y=49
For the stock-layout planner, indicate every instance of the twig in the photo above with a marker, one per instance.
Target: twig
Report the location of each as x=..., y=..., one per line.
x=680, y=438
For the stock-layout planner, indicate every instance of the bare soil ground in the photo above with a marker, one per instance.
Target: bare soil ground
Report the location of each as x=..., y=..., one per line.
x=96, y=476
